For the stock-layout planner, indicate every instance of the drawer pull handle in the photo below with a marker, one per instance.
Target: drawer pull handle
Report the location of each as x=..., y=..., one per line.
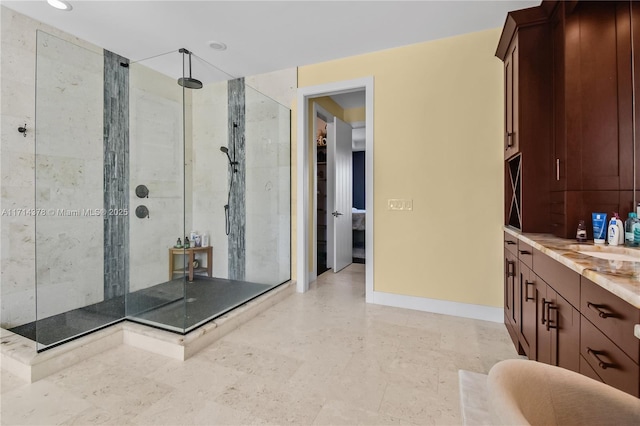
x=601, y=363
x=527, y=283
x=549, y=308
x=524, y=251
x=597, y=308
x=510, y=243
x=511, y=268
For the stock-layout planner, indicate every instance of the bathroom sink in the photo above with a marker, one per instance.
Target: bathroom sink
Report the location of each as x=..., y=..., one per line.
x=611, y=256
x=615, y=253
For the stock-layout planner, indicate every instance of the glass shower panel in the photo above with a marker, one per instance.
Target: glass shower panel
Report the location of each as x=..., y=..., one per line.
x=268, y=190
x=71, y=296
x=158, y=108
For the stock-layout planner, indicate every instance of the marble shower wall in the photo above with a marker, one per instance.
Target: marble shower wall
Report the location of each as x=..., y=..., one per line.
x=17, y=256
x=116, y=175
x=237, y=202
x=209, y=170
x=156, y=156
x=267, y=189
x=69, y=176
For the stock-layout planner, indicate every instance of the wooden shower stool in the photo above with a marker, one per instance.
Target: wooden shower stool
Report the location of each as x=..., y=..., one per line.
x=190, y=255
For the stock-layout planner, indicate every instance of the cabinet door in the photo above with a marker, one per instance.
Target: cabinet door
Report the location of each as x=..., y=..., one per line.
x=511, y=100
x=564, y=323
x=543, y=334
x=597, y=73
x=511, y=275
x=558, y=181
x=528, y=323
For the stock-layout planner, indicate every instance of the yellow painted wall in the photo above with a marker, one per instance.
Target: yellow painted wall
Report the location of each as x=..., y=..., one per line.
x=352, y=115
x=438, y=141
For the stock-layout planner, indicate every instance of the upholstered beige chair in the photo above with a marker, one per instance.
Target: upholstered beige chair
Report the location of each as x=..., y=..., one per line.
x=522, y=392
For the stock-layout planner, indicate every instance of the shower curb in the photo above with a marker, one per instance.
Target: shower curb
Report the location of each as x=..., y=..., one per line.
x=18, y=354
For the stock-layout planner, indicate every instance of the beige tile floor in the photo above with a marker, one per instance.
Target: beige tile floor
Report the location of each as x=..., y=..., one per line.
x=324, y=357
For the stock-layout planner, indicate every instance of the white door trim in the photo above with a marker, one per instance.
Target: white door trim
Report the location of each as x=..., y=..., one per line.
x=303, y=177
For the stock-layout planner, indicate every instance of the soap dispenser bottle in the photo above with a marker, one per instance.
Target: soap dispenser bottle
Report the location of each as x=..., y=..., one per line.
x=613, y=232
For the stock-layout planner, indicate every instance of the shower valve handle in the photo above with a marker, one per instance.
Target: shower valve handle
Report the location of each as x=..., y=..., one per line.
x=336, y=213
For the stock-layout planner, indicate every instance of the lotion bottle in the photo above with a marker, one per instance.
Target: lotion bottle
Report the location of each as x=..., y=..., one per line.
x=620, y=224
x=613, y=233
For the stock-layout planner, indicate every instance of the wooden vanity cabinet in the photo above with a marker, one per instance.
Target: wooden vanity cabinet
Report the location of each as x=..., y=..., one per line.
x=529, y=283
x=556, y=316
x=608, y=344
x=511, y=275
x=557, y=329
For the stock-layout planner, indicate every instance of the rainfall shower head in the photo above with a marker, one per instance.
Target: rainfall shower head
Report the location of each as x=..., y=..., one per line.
x=189, y=82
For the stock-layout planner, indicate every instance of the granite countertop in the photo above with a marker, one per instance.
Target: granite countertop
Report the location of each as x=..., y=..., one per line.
x=620, y=277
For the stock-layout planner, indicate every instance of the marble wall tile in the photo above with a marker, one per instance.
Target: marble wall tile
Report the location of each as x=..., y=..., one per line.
x=267, y=190
x=156, y=155
x=237, y=202
x=18, y=87
x=210, y=170
x=69, y=135
x=280, y=85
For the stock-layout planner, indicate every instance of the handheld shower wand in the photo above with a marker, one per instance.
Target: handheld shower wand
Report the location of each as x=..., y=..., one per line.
x=231, y=162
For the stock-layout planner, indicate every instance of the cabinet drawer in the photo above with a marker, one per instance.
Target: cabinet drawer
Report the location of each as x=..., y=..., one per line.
x=525, y=254
x=511, y=243
x=612, y=315
x=607, y=360
x=563, y=280
x=587, y=370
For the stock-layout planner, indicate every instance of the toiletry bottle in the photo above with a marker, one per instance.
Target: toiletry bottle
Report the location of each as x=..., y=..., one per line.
x=620, y=224
x=599, y=227
x=205, y=240
x=628, y=229
x=636, y=231
x=612, y=233
x=581, y=233
x=186, y=242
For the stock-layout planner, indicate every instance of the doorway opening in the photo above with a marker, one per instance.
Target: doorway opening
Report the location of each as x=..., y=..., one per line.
x=307, y=157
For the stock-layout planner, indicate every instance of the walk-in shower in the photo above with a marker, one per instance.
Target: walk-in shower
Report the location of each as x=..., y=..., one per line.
x=106, y=126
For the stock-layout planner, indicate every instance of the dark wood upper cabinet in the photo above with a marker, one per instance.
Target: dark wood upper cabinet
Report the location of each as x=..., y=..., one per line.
x=569, y=100
x=592, y=83
x=525, y=47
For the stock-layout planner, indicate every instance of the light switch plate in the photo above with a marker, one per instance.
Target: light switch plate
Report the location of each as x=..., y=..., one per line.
x=399, y=204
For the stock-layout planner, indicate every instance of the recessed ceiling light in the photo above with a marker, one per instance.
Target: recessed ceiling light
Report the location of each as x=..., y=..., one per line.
x=216, y=45
x=60, y=4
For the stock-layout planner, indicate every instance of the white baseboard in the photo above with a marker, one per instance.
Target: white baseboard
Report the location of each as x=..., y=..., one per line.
x=465, y=310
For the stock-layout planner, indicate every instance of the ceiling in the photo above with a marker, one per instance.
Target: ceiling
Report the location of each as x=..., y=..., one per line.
x=263, y=36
